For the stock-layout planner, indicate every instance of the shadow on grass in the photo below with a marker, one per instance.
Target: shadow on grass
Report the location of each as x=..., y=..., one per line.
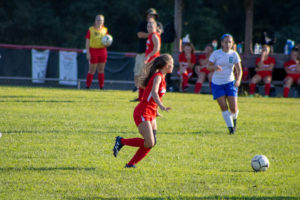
x=195, y=198
x=47, y=168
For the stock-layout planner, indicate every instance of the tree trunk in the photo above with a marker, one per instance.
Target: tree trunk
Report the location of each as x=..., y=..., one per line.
x=178, y=27
x=248, y=26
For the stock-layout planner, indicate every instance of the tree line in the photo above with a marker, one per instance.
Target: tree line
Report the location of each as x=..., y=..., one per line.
x=64, y=23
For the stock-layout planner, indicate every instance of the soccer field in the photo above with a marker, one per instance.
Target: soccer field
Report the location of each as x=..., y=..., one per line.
x=57, y=144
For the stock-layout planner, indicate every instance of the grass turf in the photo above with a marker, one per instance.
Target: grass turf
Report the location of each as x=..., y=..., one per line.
x=57, y=144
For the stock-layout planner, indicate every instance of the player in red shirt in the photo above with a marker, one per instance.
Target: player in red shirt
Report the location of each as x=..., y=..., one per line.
x=265, y=65
x=201, y=70
x=187, y=60
x=153, y=45
x=96, y=52
x=146, y=111
x=292, y=68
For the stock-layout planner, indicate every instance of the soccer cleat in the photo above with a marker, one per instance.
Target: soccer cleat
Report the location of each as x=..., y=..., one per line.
x=134, y=100
x=130, y=166
x=134, y=89
x=118, y=146
x=231, y=130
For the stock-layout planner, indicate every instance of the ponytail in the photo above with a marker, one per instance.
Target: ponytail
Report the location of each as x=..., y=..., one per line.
x=151, y=68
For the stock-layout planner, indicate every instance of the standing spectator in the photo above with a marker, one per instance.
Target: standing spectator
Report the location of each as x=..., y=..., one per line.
x=145, y=112
x=201, y=69
x=142, y=34
x=223, y=85
x=264, y=68
x=187, y=60
x=96, y=52
x=293, y=72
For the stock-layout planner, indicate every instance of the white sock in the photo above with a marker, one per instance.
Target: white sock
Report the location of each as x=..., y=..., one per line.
x=235, y=115
x=227, y=118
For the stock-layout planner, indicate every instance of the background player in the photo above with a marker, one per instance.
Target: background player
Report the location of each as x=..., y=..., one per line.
x=224, y=87
x=146, y=111
x=292, y=69
x=96, y=52
x=201, y=69
x=265, y=65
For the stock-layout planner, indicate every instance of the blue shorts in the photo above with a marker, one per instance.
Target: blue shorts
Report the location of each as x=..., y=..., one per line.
x=227, y=89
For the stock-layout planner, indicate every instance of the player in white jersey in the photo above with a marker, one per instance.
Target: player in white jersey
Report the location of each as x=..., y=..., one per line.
x=224, y=85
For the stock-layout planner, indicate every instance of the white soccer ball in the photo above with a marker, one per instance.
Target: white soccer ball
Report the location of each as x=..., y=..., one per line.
x=260, y=163
x=107, y=40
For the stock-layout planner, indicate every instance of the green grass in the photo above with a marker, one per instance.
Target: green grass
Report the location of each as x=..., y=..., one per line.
x=57, y=144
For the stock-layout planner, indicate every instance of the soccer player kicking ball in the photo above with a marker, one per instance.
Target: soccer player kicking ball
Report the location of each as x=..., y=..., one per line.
x=146, y=111
x=224, y=86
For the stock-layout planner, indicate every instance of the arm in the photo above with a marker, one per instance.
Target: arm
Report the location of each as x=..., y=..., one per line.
x=87, y=47
x=154, y=93
x=156, y=47
x=298, y=66
x=142, y=35
x=270, y=68
x=238, y=68
x=212, y=67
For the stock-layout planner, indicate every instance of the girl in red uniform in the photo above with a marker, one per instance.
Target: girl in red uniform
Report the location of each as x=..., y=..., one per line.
x=96, y=52
x=187, y=60
x=153, y=45
x=146, y=111
x=292, y=68
x=265, y=65
x=201, y=69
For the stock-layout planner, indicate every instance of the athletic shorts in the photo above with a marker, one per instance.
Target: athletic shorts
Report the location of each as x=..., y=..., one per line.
x=264, y=74
x=139, y=64
x=142, y=118
x=295, y=77
x=98, y=55
x=205, y=70
x=227, y=89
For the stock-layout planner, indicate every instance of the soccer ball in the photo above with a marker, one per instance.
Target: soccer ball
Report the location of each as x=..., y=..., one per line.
x=107, y=40
x=260, y=163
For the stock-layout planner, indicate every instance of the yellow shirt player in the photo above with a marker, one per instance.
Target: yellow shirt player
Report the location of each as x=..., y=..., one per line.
x=96, y=52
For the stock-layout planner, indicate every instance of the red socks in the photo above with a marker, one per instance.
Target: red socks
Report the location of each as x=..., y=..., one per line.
x=133, y=142
x=141, y=152
x=185, y=80
x=101, y=80
x=89, y=79
x=252, y=88
x=286, y=91
x=141, y=93
x=267, y=89
x=198, y=87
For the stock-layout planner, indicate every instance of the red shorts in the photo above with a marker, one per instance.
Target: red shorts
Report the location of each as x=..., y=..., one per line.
x=205, y=70
x=295, y=77
x=140, y=115
x=98, y=55
x=264, y=74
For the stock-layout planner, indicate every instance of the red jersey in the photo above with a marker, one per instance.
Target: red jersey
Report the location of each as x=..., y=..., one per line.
x=291, y=65
x=267, y=62
x=150, y=46
x=184, y=61
x=148, y=107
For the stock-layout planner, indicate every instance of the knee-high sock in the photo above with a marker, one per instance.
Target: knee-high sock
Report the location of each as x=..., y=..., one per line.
x=141, y=93
x=139, y=155
x=252, y=88
x=101, y=80
x=89, y=79
x=185, y=79
x=235, y=115
x=286, y=91
x=267, y=89
x=133, y=142
x=227, y=118
x=198, y=87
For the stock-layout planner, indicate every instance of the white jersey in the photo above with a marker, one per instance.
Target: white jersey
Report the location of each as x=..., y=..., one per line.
x=227, y=60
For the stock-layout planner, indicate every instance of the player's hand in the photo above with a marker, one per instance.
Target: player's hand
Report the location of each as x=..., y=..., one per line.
x=237, y=83
x=163, y=108
x=218, y=68
x=88, y=56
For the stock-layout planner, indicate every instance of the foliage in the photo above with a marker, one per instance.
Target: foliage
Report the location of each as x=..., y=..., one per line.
x=57, y=144
x=65, y=23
